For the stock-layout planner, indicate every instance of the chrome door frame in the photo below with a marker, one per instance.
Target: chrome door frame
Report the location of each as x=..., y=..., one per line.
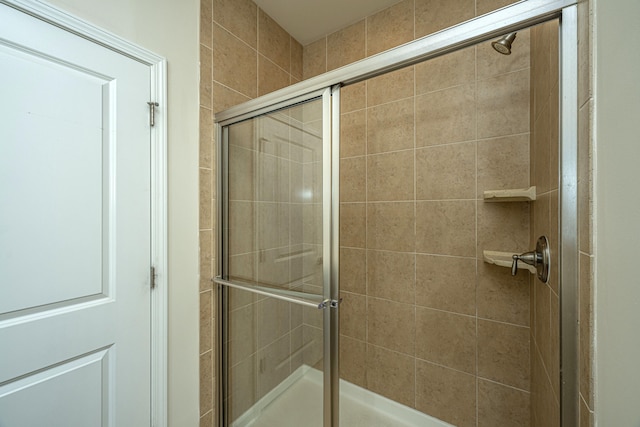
x=332, y=339
x=508, y=19
x=569, y=279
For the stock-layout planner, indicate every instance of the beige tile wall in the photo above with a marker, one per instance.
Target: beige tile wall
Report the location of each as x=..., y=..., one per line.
x=545, y=341
x=424, y=321
x=585, y=210
x=243, y=54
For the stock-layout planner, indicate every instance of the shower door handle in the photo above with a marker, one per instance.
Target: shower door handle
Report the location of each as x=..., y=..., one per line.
x=539, y=258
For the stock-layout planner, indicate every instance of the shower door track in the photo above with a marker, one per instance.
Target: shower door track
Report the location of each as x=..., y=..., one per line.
x=508, y=19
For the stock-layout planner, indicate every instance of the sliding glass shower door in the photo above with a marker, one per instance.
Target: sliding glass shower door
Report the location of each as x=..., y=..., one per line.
x=275, y=266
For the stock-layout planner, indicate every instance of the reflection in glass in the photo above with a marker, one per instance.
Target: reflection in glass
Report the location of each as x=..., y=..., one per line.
x=275, y=199
x=274, y=351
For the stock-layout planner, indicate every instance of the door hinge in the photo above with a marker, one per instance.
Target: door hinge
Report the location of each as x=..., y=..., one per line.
x=152, y=113
x=153, y=277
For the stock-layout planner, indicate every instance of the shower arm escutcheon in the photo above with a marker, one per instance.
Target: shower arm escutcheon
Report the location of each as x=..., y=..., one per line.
x=540, y=259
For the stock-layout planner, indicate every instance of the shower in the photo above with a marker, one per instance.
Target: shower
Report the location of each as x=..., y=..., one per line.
x=503, y=45
x=389, y=232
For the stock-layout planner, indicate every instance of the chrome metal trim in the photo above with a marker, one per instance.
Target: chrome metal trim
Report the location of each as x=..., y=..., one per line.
x=222, y=330
x=222, y=200
x=569, y=377
x=334, y=353
x=302, y=298
x=279, y=105
x=326, y=255
x=508, y=19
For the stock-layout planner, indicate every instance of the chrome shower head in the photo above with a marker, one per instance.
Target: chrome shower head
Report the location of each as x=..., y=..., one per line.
x=503, y=45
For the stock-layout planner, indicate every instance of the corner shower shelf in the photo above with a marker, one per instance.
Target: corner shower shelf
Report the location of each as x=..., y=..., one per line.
x=515, y=195
x=505, y=259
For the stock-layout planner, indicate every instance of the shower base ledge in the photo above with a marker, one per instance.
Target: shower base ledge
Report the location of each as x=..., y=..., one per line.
x=299, y=396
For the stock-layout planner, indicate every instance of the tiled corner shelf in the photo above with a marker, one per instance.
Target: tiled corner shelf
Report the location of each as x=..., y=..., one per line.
x=505, y=259
x=511, y=195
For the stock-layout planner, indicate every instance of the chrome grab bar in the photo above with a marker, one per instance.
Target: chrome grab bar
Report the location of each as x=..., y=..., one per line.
x=303, y=298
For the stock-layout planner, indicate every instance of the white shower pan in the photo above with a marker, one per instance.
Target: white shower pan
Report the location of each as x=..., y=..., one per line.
x=297, y=396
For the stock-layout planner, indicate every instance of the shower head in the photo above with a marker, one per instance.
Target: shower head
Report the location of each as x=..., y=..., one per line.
x=503, y=45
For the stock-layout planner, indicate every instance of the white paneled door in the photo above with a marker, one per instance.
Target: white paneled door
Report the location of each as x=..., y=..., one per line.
x=74, y=230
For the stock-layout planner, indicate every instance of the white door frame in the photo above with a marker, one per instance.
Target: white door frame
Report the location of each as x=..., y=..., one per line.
x=158, y=72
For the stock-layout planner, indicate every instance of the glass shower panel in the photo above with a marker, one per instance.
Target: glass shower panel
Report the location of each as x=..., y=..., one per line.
x=273, y=261
x=275, y=357
x=275, y=200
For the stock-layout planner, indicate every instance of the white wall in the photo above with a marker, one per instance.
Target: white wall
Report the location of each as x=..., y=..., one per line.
x=170, y=28
x=617, y=96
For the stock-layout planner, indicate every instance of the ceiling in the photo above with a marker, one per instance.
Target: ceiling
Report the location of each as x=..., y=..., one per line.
x=309, y=20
